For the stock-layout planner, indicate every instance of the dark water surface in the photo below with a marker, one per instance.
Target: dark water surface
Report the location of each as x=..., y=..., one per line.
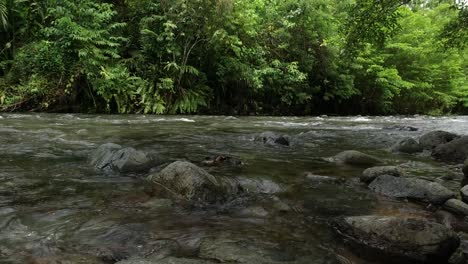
x=52, y=202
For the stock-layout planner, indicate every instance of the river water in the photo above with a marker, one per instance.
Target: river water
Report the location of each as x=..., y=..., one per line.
x=53, y=203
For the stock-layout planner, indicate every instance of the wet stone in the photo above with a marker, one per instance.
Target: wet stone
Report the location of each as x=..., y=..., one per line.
x=465, y=168
x=270, y=138
x=456, y=206
x=433, y=139
x=188, y=183
x=399, y=239
x=407, y=145
x=353, y=157
x=464, y=193
x=456, y=151
x=411, y=188
x=371, y=173
x=168, y=260
x=115, y=157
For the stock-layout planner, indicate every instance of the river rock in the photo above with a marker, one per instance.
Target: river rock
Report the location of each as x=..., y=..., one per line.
x=456, y=206
x=407, y=145
x=464, y=193
x=168, y=260
x=222, y=160
x=465, y=168
x=411, y=188
x=228, y=250
x=259, y=186
x=401, y=240
x=371, y=173
x=456, y=151
x=401, y=128
x=68, y=259
x=433, y=139
x=187, y=182
x=121, y=242
x=111, y=156
x=353, y=157
x=270, y=138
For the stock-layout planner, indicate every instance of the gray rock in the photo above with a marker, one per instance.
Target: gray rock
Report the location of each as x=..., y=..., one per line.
x=270, y=138
x=227, y=250
x=353, y=157
x=66, y=259
x=407, y=145
x=433, y=139
x=111, y=156
x=187, y=182
x=464, y=193
x=465, y=168
x=401, y=128
x=456, y=206
x=116, y=243
x=259, y=186
x=157, y=203
x=411, y=188
x=456, y=151
x=168, y=260
x=403, y=240
x=222, y=160
x=371, y=173
x=321, y=178
x=253, y=211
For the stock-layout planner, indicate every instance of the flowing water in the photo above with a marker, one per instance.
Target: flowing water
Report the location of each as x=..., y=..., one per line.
x=52, y=202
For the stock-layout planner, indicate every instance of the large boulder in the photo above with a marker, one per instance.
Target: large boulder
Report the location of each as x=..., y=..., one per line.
x=433, y=139
x=186, y=182
x=411, y=188
x=111, y=156
x=407, y=145
x=456, y=151
x=371, y=173
x=399, y=240
x=353, y=157
x=270, y=138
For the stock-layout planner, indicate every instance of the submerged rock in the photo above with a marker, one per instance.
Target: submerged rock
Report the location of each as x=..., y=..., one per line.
x=117, y=243
x=111, y=156
x=260, y=186
x=456, y=206
x=399, y=240
x=401, y=128
x=407, y=145
x=168, y=260
x=69, y=259
x=411, y=188
x=321, y=178
x=371, y=173
x=270, y=138
x=353, y=157
x=187, y=182
x=456, y=151
x=225, y=250
x=433, y=139
x=222, y=160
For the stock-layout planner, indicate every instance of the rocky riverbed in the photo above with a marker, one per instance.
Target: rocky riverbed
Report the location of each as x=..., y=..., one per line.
x=171, y=189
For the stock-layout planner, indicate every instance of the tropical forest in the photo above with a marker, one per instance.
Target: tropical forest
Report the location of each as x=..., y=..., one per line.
x=265, y=57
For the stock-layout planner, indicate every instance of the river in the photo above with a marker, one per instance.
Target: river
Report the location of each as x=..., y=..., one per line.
x=53, y=203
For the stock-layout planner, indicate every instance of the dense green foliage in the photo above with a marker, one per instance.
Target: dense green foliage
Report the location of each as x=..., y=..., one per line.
x=234, y=56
